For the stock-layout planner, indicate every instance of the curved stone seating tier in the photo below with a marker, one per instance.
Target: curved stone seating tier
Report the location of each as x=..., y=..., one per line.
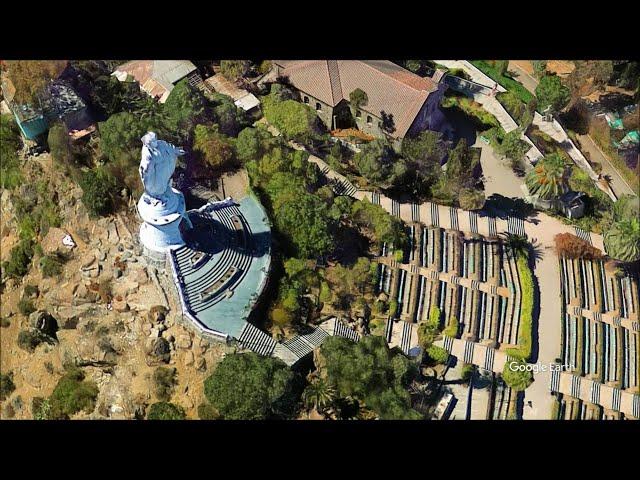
x=239, y=260
x=230, y=268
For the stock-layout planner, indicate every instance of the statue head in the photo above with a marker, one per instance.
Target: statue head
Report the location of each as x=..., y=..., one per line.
x=150, y=139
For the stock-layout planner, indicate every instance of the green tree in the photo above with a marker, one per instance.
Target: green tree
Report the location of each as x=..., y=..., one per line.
x=301, y=218
x=98, y=186
x=378, y=163
x=214, y=148
x=513, y=147
x=383, y=226
x=552, y=93
x=548, y=178
x=370, y=372
x=252, y=143
x=248, y=386
x=319, y=395
x=234, y=69
x=295, y=120
x=185, y=108
x=165, y=411
x=358, y=98
x=122, y=132
x=10, y=175
x=622, y=240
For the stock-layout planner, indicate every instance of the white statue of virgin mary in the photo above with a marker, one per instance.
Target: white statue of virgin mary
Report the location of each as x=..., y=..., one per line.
x=157, y=165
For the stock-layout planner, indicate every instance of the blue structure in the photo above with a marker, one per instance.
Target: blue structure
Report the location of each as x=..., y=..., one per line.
x=31, y=122
x=224, y=268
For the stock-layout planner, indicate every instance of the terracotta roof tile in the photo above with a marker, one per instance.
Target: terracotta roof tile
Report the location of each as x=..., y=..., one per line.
x=389, y=87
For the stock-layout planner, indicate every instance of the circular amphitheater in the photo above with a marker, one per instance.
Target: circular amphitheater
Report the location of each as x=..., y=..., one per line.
x=223, y=268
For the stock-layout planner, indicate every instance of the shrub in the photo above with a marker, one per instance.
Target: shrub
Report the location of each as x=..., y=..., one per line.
x=40, y=408
x=438, y=354
x=525, y=333
x=164, y=380
x=452, y=328
x=467, y=371
x=19, y=259
x=5, y=322
x=571, y=246
x=6, y=385
x=98, y=186
x=512, y=104
x=166, y=411
x=26, y=307
x=72, y=394
x=29, y=339
x=51, y=265
x=518, y=380
x=393, y=308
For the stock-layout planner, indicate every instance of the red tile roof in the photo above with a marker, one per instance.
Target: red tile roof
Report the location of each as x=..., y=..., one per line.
x=389, y=87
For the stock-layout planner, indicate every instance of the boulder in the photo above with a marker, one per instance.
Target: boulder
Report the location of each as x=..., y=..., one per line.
x=183, y=341
x=52, y=242
x=168, y=336
x=157, y=313
x=160, y=350
x=188, y=358
x=119, y=304
x=201, y=364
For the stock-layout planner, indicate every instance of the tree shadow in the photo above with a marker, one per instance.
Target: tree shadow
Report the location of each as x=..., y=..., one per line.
x=504, y=207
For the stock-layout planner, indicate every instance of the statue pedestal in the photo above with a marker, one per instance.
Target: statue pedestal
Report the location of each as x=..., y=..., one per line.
x=160, y=231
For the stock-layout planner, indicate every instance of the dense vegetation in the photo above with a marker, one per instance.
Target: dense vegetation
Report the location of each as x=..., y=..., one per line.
x=10, y=165
x=249, y=386
x=371, y=373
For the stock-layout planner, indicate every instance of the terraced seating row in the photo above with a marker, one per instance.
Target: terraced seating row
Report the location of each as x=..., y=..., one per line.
x=228, y=271
x=594, y=342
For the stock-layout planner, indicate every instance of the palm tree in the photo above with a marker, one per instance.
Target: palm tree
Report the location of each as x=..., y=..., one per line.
x=319, y=394
x=622, y=240
x=517, y=244
x=548, y=179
